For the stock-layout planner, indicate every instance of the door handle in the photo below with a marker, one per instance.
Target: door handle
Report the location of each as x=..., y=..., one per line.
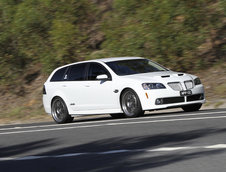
x=64, y=86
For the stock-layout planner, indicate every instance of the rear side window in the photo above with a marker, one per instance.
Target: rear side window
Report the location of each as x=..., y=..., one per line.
x=77, y=72
x=58, y=75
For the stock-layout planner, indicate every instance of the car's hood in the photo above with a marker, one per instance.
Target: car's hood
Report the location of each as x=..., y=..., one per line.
x=166, y=76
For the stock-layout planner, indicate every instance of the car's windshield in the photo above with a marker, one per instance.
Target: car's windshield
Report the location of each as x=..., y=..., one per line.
x=130, y=67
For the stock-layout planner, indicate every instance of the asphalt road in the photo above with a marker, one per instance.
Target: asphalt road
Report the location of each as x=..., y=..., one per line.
x=172, y=142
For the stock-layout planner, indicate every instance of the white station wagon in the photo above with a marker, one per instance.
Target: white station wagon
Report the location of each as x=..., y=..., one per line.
x=121, y=87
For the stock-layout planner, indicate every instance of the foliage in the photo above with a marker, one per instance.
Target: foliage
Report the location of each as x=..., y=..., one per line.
x=223, y=5
x=168, y=31
x=41, y=31
x=52, y=33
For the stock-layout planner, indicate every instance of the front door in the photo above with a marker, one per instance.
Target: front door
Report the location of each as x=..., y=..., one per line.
x=100, y=94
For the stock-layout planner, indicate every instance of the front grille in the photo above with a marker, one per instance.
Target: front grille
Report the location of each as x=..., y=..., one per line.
x=176, y=86
x=170, y=100
x=188, y=84
x=195, y=97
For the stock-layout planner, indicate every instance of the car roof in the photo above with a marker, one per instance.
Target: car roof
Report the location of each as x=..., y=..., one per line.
x=105, y=60
x=111, y=59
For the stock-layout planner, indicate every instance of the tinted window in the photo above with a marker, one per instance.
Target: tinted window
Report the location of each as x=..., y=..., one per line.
x=58, y=75
x=129, y=67
x=77, y=72
x=96, y=69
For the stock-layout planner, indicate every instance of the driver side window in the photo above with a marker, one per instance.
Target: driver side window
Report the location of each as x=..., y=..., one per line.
x=96, y=69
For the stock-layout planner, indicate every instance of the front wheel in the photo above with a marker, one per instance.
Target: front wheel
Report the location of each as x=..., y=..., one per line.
x=191, y=108
x=60, y=112
x=130, y=104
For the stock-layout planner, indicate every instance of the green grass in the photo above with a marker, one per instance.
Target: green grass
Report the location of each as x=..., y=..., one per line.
x=218, y=104
x=13, y=113
x=221, y=90
x=25, y=114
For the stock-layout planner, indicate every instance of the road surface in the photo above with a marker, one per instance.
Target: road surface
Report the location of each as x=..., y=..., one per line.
x=161, y=142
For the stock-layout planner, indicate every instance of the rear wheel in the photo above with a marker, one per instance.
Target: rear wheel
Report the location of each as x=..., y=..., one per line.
x=130, y=104
x=60, y=112
x=191, y=108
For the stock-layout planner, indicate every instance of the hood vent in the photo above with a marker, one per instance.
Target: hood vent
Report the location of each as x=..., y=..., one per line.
x=165, y=76
x=180, y=74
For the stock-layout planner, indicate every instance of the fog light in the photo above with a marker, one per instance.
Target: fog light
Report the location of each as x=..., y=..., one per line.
x=201, y=96
x=159, y=101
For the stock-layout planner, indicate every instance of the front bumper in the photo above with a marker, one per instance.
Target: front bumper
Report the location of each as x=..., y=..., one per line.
x=167, y=98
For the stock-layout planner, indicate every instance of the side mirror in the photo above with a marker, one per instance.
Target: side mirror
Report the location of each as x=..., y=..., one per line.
x=102, y=77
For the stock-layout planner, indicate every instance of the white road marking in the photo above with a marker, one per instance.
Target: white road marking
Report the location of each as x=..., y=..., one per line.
x=172, y=149
x=222, y=146
x=113, y=124
x=70, y=155
x=163, y=149
x=116, y=151
x=113, y=120
x=7, y=159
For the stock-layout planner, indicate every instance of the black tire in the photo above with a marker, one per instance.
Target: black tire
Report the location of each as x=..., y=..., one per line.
x=70, y=119
x=117, y=115
x=191, y=108
x=59, y=111
x=130, y=104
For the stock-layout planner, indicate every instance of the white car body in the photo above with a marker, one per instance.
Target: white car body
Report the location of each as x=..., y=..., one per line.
x=104, y=96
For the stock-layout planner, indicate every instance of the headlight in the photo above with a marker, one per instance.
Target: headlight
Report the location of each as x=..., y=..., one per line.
x=150, y=86
x=197, y=81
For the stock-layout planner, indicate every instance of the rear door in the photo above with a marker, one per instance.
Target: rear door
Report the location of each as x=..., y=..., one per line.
x=74, y=87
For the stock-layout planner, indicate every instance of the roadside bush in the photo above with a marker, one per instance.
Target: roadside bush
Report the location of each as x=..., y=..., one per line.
x=53, y=33
x=42, y=31
x=167, y=31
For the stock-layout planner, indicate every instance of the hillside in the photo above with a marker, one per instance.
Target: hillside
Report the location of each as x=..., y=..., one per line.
x=37, y=36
